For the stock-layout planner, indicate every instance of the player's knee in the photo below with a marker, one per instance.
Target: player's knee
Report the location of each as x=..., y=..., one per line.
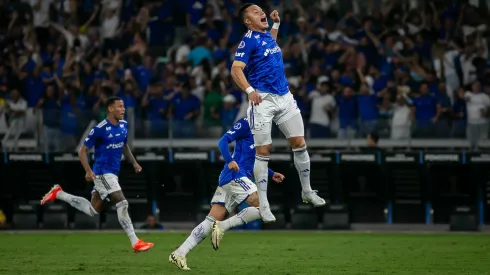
x=253, y=200
x=263, y=150
x=122, y=204
x=297, y=142
x=218, y=212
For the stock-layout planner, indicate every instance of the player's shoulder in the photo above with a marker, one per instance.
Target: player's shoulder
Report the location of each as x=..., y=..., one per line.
x=123, y=123
x=241, y=124
x=101, y=124
x=249, y=38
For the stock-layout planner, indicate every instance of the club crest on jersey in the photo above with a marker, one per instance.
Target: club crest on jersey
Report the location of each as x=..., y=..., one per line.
x=237, y=126
x=241, y=45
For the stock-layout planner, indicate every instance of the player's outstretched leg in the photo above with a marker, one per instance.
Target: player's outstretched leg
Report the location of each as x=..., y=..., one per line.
x=247, y=215
x=293, y=129
x=261, y=174
x=123, y=215
x=79, y=203
x=198, y=234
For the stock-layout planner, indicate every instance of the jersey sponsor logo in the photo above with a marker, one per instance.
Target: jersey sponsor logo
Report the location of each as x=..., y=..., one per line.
x=241, y=45
x=239, y=54
x=257, y=36
x=237, y=126
x=115, y=145
x=108, y=128
x=230, y=132
x=274, y=50
x=118, y=135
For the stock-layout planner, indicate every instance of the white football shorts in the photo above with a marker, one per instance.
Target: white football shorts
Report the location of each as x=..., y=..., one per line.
x=106, y=184
x=277, y=108
x=233, y=193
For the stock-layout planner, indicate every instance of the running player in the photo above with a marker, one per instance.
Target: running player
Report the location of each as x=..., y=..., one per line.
x=234, y=187
x=109, y=138
x=258, y=70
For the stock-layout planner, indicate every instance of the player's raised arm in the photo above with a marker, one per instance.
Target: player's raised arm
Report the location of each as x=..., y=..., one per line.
x=277, y=21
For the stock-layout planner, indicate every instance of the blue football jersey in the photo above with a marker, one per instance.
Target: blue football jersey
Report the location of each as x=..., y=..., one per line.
x=243, y=154
x=265, y=67
x=108, y=141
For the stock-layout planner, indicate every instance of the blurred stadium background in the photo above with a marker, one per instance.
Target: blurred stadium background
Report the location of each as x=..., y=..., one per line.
x=395, y=95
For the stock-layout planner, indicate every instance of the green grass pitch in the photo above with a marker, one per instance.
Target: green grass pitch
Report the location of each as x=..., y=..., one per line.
x=240, y=253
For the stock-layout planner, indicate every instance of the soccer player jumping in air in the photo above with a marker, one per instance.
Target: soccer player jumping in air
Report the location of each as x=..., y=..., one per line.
x=258, y=69
x=234, y=187
x=110, y=140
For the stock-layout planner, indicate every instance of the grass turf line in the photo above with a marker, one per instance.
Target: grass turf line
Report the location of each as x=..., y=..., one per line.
x=249, y=253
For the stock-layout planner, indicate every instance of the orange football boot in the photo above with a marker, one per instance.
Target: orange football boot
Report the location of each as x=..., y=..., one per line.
x=141, y=246
x=51, y=195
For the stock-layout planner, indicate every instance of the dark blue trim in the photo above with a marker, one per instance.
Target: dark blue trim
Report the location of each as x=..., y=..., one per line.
x=170, y=156
x=220, y=203
x=421, y=157
x=427, y=212
x=212, y=156
x=481, y=206
x=154, y=207
x=46, y=157
x=389, y=219
x=378, y=156
x=337, y=157
x=463, y=157
x=5, y=157
x=246, y=198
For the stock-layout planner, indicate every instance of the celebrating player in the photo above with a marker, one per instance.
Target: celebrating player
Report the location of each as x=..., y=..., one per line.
x=259, y=59
x=234, y=187
x=109, y=138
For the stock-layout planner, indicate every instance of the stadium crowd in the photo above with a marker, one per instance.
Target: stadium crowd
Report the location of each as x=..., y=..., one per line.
x=399, y=68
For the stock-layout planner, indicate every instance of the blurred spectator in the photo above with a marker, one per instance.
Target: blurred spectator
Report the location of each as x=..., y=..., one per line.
x=322, y=106
x=427, y=111
x=15, y=109
x=477, y=106
x=347, y=113
x=228, y=113
x=401, y=122
x=151, y=223
x=50, y=107
x=184, y=110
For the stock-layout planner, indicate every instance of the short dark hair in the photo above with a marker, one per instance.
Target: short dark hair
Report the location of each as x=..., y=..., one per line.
x=111, y=100
x=241, y=11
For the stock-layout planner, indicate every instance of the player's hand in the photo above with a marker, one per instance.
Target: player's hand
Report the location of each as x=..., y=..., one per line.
x=254, y=98
x=90, y=176
x=137, y=168
x=233, y=166
x=275, y=16
x=278, y=177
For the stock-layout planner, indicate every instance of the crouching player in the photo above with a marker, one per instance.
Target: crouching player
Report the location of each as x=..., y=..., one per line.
x=234, y=187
